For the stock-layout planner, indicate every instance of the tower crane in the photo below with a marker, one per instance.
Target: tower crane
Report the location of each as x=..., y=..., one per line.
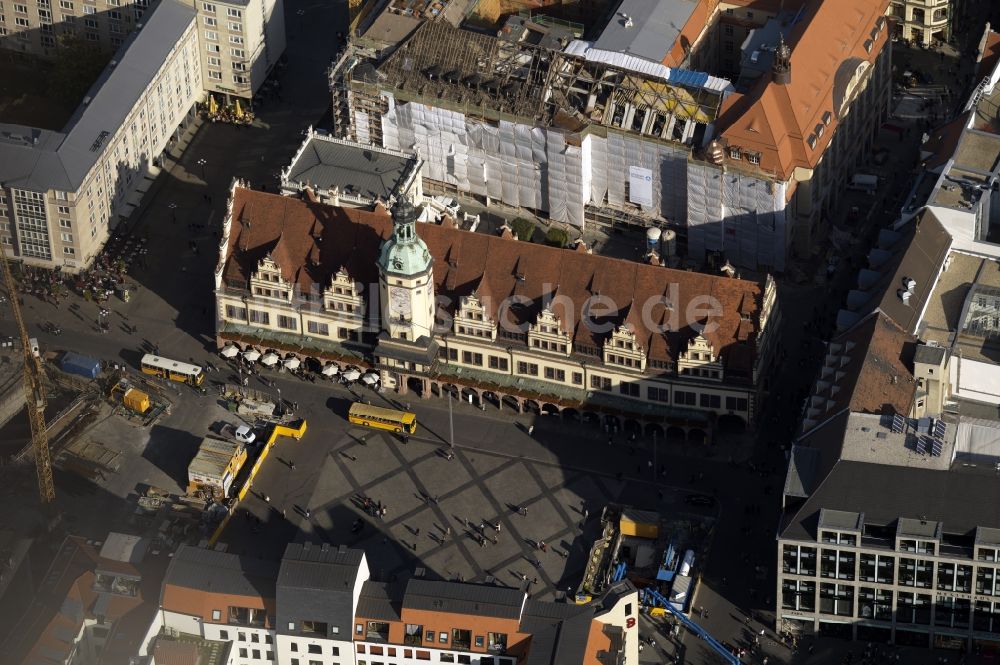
x=34, y=392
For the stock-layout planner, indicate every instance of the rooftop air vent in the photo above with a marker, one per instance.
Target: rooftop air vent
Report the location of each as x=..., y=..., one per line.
x=904, y=295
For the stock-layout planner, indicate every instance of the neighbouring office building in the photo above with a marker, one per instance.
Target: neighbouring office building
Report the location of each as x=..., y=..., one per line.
x=890, y=529
x=638, y=125
x=61, y=192
x=319, y=605
x=437, y=309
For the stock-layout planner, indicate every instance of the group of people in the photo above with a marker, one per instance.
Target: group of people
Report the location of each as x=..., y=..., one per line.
x=374, y=508
x=110, y=268
x=230, y=116
x=43, y=283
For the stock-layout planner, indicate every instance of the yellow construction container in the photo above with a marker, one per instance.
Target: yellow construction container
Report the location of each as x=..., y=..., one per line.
x=136, y=400
x=639, y=523
x=216, y=465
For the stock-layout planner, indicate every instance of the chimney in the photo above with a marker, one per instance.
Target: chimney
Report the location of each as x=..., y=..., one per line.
x=781, y=67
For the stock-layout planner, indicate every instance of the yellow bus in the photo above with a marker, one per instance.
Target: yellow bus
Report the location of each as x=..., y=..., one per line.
x=376, y=416
x=171, y=369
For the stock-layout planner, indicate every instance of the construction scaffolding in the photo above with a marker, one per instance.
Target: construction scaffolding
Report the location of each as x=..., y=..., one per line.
x=531, y=126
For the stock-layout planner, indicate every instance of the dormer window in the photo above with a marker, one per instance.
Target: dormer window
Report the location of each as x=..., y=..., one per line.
x=753, y=157
x=811, y=141
x=827, y=118
x=735, y=152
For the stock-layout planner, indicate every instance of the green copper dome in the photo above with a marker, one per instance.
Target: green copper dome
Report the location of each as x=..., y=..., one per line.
x=404, y=253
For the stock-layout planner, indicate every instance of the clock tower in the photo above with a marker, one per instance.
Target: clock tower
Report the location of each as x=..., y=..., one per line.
x=406, y=279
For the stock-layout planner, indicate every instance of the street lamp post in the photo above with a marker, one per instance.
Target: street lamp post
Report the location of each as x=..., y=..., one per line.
x=451, y=425
x=202, y=162
x=173, y=212
x=655, y=477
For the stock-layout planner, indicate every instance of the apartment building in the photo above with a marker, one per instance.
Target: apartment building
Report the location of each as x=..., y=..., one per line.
x=318, y=605
x=240, y=41
x=640, y=126
x=62, y=192
x=221, y=598
x=435, y=308
x=923, y=21
x=35, y=26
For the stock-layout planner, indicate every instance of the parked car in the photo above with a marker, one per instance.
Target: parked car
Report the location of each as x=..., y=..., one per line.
x=244, y=434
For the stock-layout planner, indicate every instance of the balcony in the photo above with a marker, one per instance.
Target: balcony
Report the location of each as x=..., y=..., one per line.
x=461, y=639
x=413, y=636
x=378, y=631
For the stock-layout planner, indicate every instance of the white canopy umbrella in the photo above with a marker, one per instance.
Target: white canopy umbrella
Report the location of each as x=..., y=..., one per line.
x=229, y=351
x=252, y=355
x=370, y=379
x=330, y=370
x=352, y=375
x=292, y=363
x=270, y=359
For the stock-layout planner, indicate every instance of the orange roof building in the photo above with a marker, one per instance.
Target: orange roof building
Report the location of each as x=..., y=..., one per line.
x=550, y=328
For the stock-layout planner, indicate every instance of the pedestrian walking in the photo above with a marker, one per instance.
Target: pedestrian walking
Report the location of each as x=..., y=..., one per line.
x=531, y=430
x=291, y=465
x=308, y=513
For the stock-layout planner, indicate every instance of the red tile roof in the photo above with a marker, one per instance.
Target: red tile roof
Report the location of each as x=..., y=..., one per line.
x=310, y=242
x=872, y=371
x=828, y=46
x=990, y=55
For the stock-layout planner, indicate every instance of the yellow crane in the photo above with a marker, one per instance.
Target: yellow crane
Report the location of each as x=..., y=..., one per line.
x=34, y=392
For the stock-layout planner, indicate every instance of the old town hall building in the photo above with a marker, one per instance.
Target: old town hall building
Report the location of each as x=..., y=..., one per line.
x=490, y=318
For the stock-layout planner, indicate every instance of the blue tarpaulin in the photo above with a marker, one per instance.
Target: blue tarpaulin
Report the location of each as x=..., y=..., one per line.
x=74, y=363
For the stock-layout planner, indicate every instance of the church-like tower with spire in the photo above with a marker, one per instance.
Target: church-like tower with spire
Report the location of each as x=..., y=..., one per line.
x=406, y=294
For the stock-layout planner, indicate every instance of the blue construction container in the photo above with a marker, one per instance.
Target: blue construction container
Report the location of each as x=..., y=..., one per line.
x=74, y=363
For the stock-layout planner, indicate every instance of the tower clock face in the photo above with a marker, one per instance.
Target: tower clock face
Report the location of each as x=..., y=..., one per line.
x=399, y=301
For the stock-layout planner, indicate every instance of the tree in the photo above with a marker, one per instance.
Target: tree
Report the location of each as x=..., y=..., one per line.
x=556, y=237
x=523, y=229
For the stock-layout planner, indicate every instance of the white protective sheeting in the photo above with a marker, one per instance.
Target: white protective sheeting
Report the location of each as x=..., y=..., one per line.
x=585, y=50
x=704, y=209
x=611, y=160
x=537, y=168
x=739, y=215
x=361, y=129
x=977, y=441
x=753, y=234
